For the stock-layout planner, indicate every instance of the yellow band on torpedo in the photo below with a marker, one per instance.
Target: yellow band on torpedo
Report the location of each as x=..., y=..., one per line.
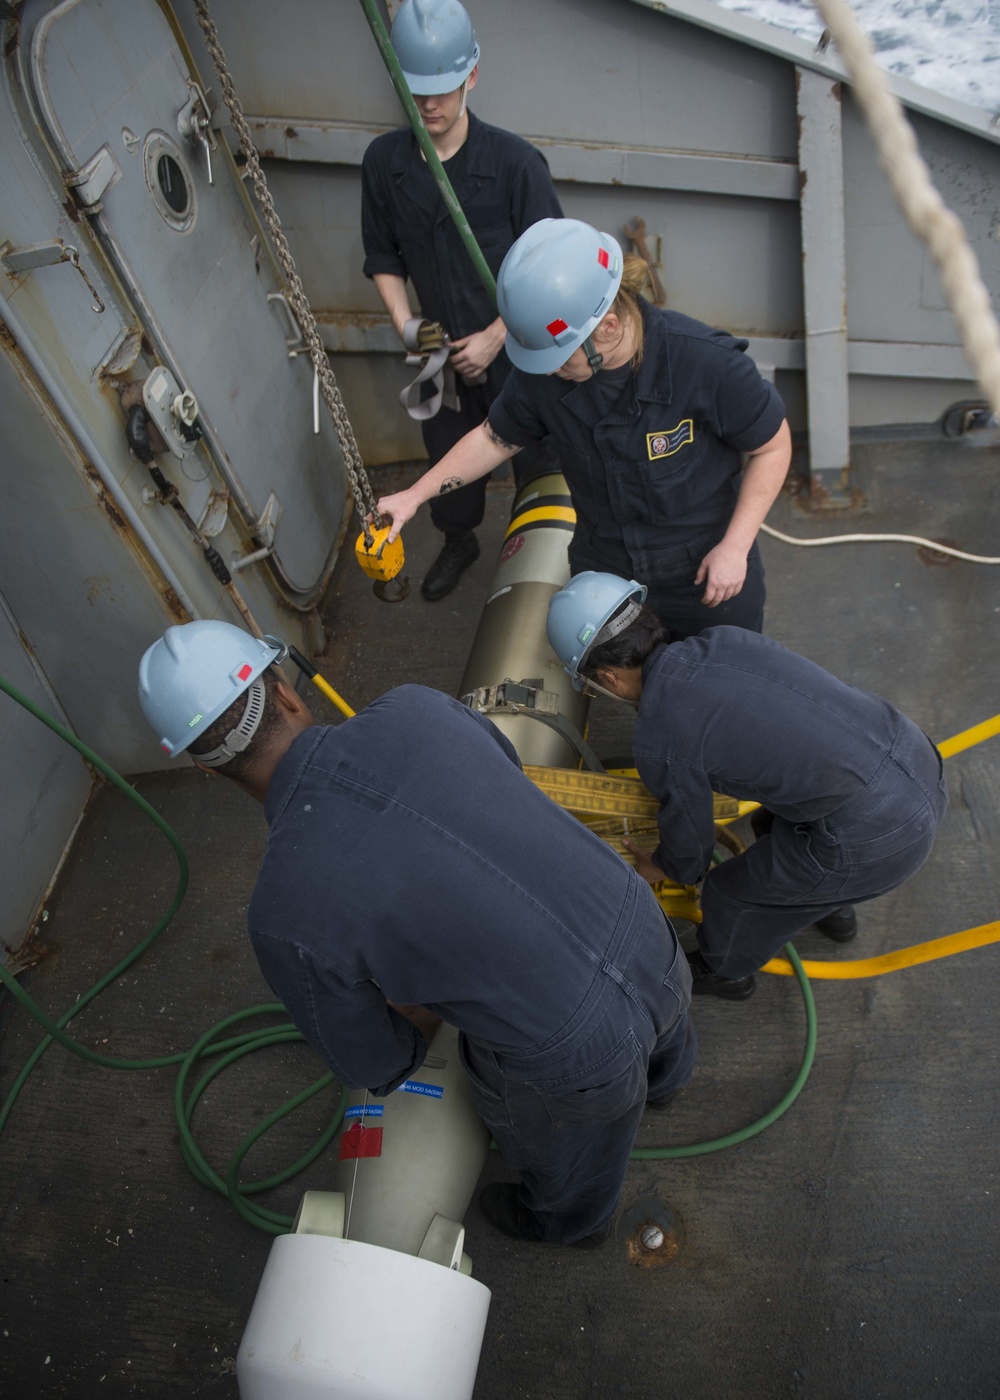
x=564, y=513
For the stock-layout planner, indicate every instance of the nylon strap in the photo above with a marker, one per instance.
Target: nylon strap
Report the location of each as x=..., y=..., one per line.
x=589, y=795
x=435, y=367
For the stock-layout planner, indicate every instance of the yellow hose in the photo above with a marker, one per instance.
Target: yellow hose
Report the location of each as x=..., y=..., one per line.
x=934, y=948
x=968, y=737
x=930, y=951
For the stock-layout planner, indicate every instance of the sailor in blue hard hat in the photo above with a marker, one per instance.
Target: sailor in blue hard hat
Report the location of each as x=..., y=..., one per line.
x=672, y=443
x=589, y=611
x=853, y=790
x=194, y=674
x=436, y=46
x=391, y=896
x=504, y=186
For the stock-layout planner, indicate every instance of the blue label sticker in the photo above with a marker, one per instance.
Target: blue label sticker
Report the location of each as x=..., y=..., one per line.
x=365, y=1110
x=411, y=1086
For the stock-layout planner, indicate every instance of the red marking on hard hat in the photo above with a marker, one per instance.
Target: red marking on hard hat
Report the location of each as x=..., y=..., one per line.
x=556, y=327
x=602, y=257
x=165, y=745
x=360, y=1142
x=244, y=671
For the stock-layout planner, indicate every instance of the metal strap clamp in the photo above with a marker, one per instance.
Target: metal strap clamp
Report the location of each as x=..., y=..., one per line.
x=529, y=698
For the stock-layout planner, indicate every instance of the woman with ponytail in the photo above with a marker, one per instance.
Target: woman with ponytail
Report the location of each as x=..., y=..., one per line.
x=672, y=444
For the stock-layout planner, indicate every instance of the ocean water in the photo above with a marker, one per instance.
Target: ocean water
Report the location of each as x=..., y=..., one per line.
x=950, y=46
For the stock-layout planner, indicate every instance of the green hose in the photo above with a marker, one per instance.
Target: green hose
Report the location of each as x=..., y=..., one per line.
x=235, y=1047
x=699, y=1149
x=230, y=1049
x=427, y=147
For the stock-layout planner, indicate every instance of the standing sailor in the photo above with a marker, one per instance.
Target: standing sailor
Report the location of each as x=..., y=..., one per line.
x=854, y=788
x=504, y=186
x=672, y=444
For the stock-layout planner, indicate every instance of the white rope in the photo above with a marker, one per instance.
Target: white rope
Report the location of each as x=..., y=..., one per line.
x=920, y=202
x=883, y=539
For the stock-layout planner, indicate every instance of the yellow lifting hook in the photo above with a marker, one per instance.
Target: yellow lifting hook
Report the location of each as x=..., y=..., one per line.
x=382, y=562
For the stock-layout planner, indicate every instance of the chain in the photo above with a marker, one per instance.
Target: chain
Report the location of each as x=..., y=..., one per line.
x=72, y=256
x=364, y=498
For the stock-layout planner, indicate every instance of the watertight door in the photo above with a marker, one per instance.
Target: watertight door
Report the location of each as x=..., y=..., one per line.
x=111, y=80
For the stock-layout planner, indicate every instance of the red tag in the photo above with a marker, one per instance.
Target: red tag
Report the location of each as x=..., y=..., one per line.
x=602, y=257
x=360, y=1142
x=556, y=327
x=244, y=671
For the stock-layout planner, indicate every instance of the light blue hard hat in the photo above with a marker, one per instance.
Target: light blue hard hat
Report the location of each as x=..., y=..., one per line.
x=556, y=284
x=193, y=674
x=582, y=615
x=435, y=44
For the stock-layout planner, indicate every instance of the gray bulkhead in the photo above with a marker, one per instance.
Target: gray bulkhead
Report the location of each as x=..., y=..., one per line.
x=120, y=253
x=750, y=165
x=737, y=144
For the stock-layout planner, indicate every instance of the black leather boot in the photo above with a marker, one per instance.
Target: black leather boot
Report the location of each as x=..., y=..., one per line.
x=458, y=552
x=500, y=1204
x=705, y=981
x=841, y=925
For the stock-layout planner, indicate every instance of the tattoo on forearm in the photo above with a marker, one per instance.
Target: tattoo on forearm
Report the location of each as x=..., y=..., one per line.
x=450, y=483
x=494, y=436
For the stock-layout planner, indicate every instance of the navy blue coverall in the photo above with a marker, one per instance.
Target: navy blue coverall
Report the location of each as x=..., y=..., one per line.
x=655, y=477
x=504, y=186
x=857, y=790
x=409, y=858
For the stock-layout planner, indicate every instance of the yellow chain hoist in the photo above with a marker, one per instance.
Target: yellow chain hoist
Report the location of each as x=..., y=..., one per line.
x=382, y=562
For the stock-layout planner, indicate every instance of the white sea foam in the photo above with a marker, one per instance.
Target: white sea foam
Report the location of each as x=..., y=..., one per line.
x=950, y=46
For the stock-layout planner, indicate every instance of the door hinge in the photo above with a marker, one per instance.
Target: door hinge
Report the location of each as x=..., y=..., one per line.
x=91, y=182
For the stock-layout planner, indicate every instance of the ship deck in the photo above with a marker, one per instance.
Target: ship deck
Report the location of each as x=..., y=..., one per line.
x=849, y=1252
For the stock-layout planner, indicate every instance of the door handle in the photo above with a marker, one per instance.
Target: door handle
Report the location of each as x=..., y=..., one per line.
x=194, y=122
x=297, y=346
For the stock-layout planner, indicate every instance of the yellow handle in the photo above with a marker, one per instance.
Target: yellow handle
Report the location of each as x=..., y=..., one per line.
x=308, y=669
x=331, y=694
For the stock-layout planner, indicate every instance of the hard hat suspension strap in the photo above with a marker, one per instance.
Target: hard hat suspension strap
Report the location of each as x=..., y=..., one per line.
x=618, y=623
x=594, y=358
x=239, y=738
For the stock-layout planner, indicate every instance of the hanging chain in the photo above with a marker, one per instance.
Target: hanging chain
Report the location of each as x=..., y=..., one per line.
x=364, y=498
x=72, y=256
